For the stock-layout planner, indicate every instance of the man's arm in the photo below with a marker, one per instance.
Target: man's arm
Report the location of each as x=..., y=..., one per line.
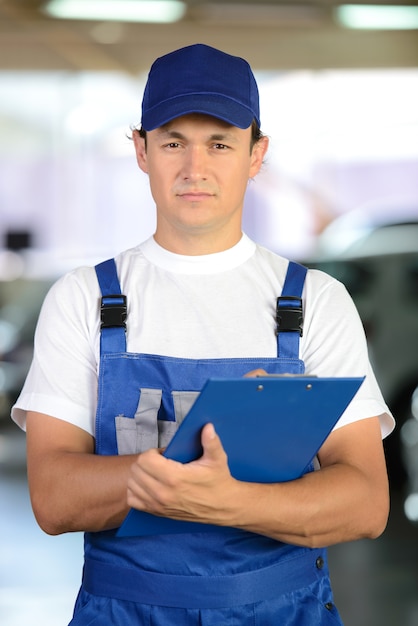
x=347, y=499
x=71, y=488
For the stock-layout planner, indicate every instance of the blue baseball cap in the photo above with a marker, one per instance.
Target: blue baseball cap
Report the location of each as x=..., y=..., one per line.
x=200, y=79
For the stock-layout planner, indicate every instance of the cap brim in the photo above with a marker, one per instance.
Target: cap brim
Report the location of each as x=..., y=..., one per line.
x=219, y=106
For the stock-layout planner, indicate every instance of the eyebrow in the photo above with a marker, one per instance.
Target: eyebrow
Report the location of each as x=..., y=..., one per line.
x=174, y=134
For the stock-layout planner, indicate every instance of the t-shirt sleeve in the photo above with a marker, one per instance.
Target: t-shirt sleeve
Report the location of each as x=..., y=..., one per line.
x=62, y=380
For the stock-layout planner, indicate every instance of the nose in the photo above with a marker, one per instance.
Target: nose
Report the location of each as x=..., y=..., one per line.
x=195, y=164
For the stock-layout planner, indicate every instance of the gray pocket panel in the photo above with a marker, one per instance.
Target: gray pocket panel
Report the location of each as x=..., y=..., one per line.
x=135, y=435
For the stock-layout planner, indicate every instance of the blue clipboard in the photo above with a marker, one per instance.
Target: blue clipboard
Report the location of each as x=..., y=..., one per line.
x=271, y=428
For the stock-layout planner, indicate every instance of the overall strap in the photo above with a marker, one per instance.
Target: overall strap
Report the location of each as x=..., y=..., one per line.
x=289, y=312
x=113, y=309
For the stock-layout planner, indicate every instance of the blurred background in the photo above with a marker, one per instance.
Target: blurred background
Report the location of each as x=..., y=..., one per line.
x=339, y=191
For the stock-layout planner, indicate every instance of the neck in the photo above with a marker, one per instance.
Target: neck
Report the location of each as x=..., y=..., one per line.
x=197, y=245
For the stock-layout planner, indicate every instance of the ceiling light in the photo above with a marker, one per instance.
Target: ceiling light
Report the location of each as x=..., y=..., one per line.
x=158, y=11
x=256, y=13
x=373, y=17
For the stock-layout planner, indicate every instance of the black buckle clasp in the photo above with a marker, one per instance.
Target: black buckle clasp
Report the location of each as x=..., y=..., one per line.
x=113, y=311
x=289, y=315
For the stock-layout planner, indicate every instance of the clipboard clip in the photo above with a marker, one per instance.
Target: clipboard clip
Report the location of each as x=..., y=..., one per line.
x=289, y=315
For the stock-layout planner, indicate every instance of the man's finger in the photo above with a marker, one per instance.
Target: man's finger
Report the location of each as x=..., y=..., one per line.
x=211, y=444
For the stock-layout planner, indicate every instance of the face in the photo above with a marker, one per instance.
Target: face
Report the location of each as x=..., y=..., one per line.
x=199, y=169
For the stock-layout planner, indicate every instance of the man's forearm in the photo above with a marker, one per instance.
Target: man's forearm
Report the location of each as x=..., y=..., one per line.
x=76, y=491
x=347, y=499
x=314, y=511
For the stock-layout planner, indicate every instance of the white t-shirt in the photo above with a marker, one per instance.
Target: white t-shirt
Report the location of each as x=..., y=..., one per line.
x=212, y=306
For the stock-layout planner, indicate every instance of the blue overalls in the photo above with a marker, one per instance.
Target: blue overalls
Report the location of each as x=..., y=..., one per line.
x=214, y=578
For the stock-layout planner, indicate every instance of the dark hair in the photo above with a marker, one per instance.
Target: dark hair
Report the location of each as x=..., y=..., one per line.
x=256, y=134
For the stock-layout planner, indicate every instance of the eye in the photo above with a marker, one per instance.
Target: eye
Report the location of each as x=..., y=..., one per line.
x=220, y=146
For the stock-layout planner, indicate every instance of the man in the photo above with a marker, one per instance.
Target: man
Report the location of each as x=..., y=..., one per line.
x=201, y=300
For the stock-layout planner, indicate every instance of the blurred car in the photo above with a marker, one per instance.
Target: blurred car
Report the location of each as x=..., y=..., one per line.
x=20, y=302
x=409, y=440
x=25, y=279
x=379, y=266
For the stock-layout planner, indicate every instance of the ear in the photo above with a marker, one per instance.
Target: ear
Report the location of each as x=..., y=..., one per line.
x=257, y=155
x=140, y=150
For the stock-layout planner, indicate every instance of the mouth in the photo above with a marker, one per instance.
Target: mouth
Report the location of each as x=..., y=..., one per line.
x=194, y=196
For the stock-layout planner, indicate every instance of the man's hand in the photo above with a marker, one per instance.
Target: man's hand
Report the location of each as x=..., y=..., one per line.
x=197, y=491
